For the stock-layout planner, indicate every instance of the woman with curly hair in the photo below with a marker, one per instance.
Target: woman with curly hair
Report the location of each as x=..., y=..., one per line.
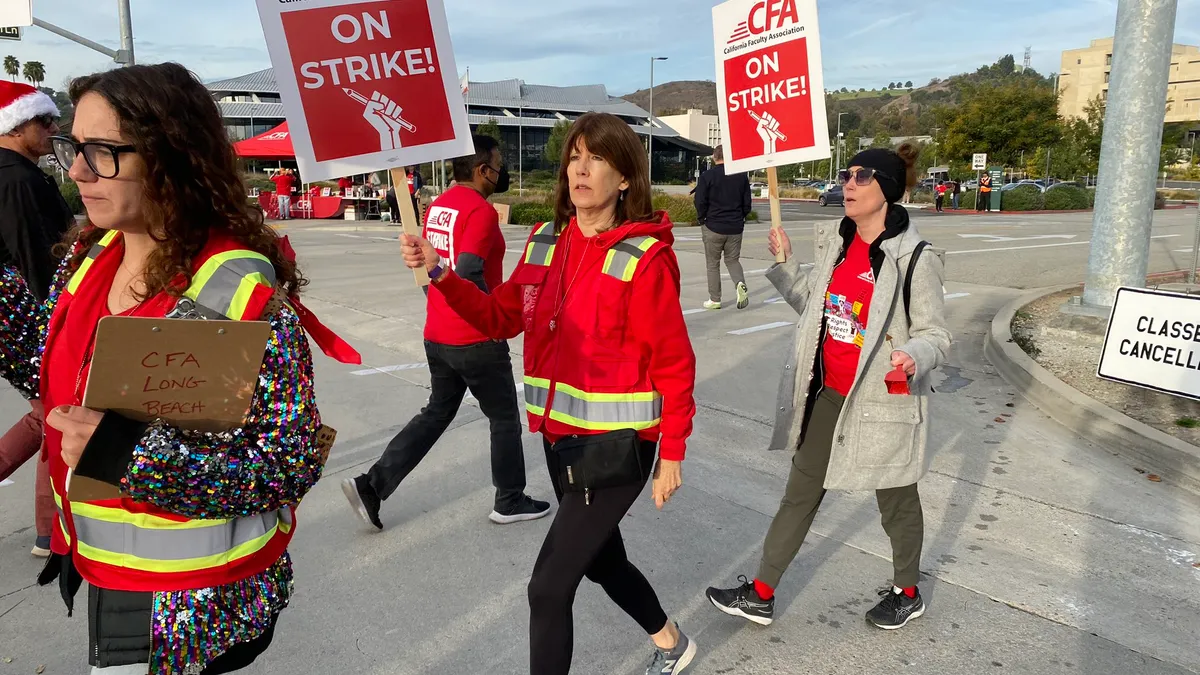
x=188, y=569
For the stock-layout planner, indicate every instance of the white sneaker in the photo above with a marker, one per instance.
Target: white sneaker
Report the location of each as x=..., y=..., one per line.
x=743, y=295
x=709, y=304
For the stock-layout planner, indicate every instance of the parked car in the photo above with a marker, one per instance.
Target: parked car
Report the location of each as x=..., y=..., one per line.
x=971, y=184
x=758, y=186
x=833, y=196
x=1035, y=183
x=1069, y=183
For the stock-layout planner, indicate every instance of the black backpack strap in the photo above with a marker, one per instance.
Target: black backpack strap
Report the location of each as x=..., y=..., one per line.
x=912, y=266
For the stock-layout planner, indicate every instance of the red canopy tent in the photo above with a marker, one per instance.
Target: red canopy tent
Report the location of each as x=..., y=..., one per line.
x=274, y=144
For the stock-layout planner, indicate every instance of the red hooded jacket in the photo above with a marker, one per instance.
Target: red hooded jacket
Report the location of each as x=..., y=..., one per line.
x=606, y=346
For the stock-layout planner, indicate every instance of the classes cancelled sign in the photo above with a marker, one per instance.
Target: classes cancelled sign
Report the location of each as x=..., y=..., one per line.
x=1153, y=341
x=769, y=85
x=366, y=85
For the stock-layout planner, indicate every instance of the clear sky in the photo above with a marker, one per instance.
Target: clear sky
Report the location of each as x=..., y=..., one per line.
x=866, y=43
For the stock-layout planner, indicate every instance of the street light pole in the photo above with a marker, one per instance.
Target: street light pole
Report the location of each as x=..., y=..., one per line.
x=123, y=56
x=650, y=138
x=521, y=150
x=1129, y=151
x=839, y=140
x=935, y=130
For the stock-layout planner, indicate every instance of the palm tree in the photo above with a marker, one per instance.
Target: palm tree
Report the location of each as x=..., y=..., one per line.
x=35, y=72
x=12, y=66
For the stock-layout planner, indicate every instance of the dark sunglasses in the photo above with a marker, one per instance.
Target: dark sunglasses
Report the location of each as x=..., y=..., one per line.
x=861, y=177
x=102, y=158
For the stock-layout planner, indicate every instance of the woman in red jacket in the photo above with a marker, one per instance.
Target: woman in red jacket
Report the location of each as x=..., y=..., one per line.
x=609, y=371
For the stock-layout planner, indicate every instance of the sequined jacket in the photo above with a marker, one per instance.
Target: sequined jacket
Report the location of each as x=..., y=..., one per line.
x=273, y=460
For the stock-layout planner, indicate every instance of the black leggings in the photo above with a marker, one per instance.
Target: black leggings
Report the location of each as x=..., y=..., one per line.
x=585, y=540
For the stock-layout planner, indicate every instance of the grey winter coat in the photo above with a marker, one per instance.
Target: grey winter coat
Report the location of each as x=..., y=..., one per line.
x=881, y=439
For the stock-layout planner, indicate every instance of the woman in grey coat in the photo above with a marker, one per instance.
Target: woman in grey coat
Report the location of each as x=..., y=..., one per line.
x=849, y=427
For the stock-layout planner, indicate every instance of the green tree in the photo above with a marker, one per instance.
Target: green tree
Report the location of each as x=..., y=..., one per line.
x=35, y=72
x=490, y=128
x=908, y=84
x=881, y=140
x=12, y=66
x=1002, y=120
x=552, y=153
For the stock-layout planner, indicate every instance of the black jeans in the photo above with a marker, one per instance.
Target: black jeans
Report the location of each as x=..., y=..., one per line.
x=485, y=369
x=585, y=540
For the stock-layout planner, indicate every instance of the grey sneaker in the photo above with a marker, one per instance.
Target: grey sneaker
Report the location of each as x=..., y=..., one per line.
x=675, y=661
x=743, y=295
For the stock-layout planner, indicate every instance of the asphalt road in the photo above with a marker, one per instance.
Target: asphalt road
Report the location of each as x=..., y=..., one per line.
x=1044, y=554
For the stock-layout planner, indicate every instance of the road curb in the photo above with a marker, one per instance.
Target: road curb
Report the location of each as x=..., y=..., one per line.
x=1177, y=460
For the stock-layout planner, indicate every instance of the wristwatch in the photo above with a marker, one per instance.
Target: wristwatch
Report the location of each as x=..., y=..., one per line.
x=437, y=271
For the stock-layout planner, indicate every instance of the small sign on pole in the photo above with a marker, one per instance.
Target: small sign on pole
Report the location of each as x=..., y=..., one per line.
x=16, y=13
x=10, y=33
x=979, y=161
x=1153, y=342
x=366, y=84
x=770, y=88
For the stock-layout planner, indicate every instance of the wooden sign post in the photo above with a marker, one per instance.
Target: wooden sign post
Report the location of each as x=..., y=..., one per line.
x=408, y=218
x=776, y=215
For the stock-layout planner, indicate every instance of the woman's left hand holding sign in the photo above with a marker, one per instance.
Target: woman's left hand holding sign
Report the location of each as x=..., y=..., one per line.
x=77, y=424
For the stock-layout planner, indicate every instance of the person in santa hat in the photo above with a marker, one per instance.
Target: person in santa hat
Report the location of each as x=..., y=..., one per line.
x=33, y=218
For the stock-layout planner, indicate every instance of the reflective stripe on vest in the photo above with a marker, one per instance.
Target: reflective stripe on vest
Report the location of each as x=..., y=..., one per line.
x=114, y=536
x=62, y=517
x=225, y=281
x=622, y=259
x=540, y=250
x=97, y=249
x=591, y=410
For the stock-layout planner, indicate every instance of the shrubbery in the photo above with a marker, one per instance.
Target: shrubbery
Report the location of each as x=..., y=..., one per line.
x=530, y=213
x=966, y=200
x=1068, y=198
x=1024, y=198
x=70, y=192
x=1160, y=202
x=679, y=208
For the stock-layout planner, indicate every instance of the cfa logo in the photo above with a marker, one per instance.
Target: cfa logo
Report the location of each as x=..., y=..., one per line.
x=277, y=136
x=765, y=16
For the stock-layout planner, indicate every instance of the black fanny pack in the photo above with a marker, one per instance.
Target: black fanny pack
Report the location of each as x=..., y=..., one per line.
x=593, y=462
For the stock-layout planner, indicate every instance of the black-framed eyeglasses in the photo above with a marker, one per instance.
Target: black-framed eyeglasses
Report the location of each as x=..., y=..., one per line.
x=102, y=158
x=862, y=177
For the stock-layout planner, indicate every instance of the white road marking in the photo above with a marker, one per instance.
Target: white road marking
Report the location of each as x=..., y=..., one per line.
x=995, y=238
x=773, y=301
x=1183, y=250
x=955, y=296
x=765, y=326
x=350, y=236
x=749, y=272
x=1065, y=243
x=698, y=310
x=6, y=482
x=386, y=238
x=388, y=369
x=515, y=250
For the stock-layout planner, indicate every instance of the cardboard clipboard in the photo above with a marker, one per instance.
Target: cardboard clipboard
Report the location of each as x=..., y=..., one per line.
x=194, y=374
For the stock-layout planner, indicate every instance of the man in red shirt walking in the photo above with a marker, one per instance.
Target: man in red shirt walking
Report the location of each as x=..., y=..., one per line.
x=465, y=230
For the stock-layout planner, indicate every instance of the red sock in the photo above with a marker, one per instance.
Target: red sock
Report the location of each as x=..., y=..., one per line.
x=764, y=591
x=911, y=591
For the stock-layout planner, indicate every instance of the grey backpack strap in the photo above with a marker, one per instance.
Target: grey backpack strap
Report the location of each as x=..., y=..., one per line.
x=912, y=266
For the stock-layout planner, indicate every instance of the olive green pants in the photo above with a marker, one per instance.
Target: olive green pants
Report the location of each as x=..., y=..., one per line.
x=900, y=507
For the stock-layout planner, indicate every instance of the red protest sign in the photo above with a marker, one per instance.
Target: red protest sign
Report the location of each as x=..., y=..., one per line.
x=769, y=88
x=366, y=84
x=769, y=83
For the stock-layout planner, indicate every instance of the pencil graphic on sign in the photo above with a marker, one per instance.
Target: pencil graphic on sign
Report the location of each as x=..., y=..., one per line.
x=776, y=132
x=394, y=113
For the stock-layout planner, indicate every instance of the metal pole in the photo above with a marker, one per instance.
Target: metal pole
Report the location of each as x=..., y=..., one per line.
x=521, y=151
x=126, y=32
x=1129, y=151
x=1195, y=249
x=650, y=138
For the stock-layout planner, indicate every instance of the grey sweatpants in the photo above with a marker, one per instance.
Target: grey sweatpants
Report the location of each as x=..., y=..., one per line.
x=716, y=245
x=900, y=507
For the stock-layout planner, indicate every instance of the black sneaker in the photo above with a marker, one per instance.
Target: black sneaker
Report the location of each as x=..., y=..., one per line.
x=896, y=609
x=363, y=499
x=743, y=601
x=526, y=509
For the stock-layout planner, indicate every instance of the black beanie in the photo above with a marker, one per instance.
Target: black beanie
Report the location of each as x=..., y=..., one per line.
x=890, y=164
